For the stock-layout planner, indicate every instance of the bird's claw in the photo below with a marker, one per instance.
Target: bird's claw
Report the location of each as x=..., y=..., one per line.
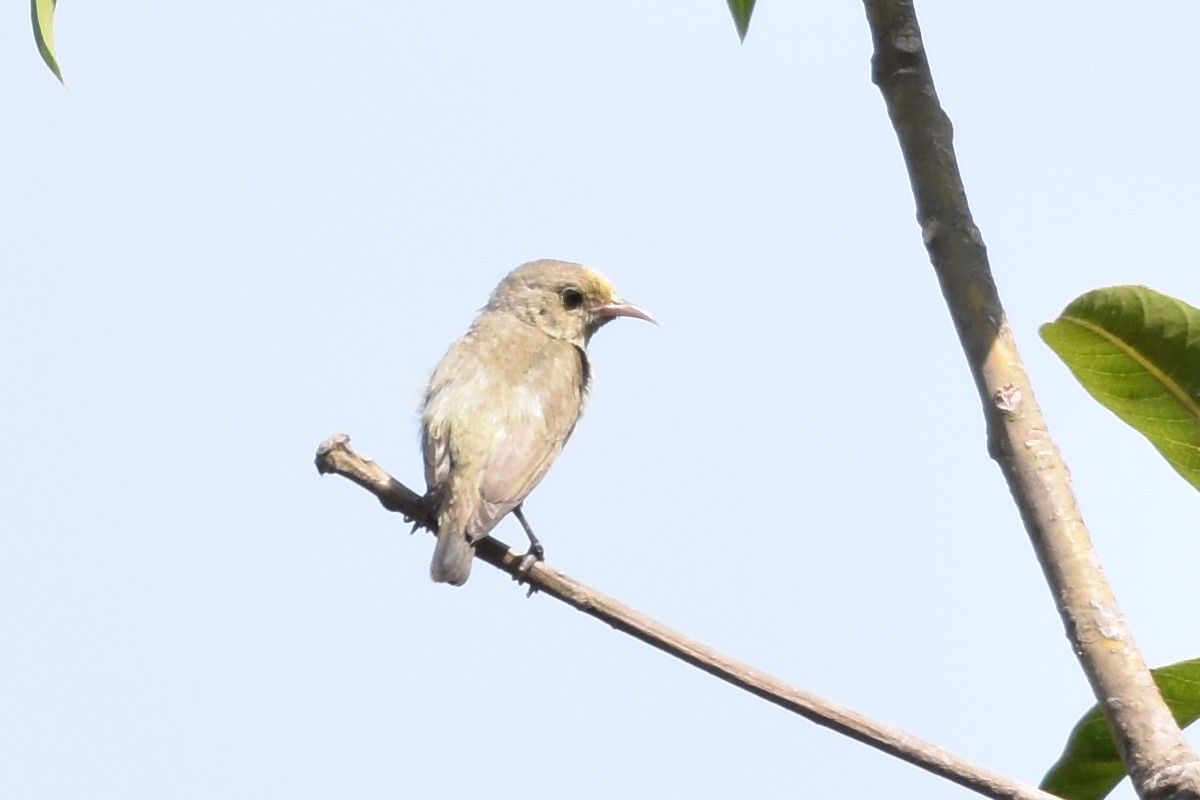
x=535, y=554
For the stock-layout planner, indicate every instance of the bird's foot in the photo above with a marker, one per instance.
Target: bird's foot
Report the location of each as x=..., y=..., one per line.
x=535, y=554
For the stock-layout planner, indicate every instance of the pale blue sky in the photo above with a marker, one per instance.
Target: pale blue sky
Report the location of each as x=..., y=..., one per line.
x=246, y=227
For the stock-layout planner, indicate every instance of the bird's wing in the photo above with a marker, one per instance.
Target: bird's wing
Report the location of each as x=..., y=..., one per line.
x=436, y=449
x=541, y=412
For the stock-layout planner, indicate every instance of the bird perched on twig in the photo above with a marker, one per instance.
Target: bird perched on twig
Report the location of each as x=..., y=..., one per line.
x=504, y=400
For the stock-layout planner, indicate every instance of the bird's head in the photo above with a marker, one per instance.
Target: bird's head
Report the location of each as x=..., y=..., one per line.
x=564, y=300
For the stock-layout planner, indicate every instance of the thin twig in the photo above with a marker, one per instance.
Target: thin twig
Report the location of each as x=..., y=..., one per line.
x=335, y=456
x=1159, y=759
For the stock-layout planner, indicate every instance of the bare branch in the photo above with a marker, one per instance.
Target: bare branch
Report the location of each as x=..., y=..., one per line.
x=335, y=456
x=1158, y=757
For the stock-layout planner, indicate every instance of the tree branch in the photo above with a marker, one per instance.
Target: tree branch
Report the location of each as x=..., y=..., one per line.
x=335, y=456
x=1158, y=757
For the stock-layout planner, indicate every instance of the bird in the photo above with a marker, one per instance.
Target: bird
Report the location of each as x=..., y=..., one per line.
x=503, y=401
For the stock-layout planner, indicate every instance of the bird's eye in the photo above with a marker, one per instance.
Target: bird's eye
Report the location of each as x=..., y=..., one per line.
x=572, y=298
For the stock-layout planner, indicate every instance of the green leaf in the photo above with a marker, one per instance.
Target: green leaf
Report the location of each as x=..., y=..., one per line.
x=741, y=10
x=1138, y=353
x=43, y=33
x=1089, y=767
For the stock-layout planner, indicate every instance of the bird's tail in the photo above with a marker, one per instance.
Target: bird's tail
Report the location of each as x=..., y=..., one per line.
x=452, y=558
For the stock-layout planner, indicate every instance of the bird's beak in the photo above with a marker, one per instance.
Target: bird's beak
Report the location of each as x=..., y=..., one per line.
x=619, y=308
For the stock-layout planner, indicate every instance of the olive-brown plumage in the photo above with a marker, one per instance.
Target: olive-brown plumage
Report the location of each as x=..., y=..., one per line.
x=505, y=398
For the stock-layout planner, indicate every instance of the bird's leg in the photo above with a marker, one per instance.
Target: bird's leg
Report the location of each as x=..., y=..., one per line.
x=535, y=553
x=535, y=546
